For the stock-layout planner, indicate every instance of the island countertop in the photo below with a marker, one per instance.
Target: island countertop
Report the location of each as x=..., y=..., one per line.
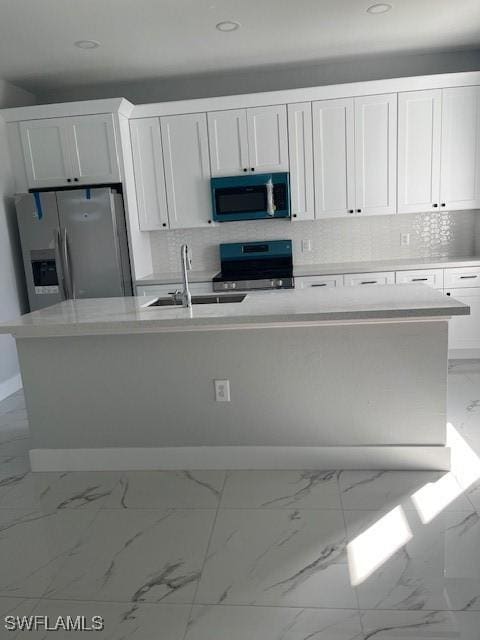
x=260, y=309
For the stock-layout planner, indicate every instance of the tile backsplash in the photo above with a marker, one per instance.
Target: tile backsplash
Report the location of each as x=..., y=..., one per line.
x=332, y=240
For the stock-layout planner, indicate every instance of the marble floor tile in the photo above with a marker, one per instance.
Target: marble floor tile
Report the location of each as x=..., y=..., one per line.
x=137, y=556
x=33, y=546
x=167, y=489
x=272, y=489
x=277, y=557
x=121, y=621
x=68, y=490
x=419, y=625
x=14, y=464
x=272, y=623
x=437, y=567
x=383, y=490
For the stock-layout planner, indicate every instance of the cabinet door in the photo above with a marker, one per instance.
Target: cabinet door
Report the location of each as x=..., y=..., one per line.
x=47, y=152
x=227, y=136
x=460, y=172
x=267, y=138
x=94, y=149
x=320, y=282
x=376, y=154
x=300, y=146
x=149, y=174
x=419, y=137
x=333, y=156
x=464, y=331
x=187, y=170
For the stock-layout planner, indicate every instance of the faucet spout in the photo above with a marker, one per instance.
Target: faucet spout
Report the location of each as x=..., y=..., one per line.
x=186, y=266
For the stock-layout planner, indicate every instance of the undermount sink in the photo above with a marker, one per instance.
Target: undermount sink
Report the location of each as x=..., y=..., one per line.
x=222, y=298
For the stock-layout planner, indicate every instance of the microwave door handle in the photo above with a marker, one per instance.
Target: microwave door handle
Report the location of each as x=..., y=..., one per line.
x=270, y=200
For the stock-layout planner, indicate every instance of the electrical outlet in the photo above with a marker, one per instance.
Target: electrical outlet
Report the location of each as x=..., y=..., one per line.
x=222, y=390
x=306, y=245
x=404, y=239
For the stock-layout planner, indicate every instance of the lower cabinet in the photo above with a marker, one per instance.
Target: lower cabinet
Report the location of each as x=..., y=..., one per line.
x=307, y=282
x=432, y=278
x=464, y=331
x=379, y=277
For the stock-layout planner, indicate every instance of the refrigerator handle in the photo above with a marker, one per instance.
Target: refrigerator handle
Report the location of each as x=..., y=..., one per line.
x=58, y=256
x=67, y=266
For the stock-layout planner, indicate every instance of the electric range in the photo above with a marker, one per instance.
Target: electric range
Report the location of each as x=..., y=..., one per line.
x=248, y=266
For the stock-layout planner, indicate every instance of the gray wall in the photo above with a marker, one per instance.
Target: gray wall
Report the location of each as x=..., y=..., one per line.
x=12, y=292
x=273, y=78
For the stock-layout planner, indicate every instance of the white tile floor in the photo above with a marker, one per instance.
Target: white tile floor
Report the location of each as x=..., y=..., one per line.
x=261, y=555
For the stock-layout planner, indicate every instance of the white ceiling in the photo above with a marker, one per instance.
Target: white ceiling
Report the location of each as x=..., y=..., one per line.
x=154, y=38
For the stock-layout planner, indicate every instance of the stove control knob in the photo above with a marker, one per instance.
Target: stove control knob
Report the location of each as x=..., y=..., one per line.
x=279, y=283
x=233, y=285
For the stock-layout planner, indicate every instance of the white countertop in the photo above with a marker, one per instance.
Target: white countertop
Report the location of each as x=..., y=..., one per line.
x=273, y=308
x=332, y=268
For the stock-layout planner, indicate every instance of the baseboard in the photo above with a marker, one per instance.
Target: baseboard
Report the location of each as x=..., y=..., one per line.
x=10, y=386
x=463, y=354
x=171, y=458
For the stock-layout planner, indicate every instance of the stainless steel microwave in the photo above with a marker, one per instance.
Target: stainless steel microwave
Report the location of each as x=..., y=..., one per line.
x=264, y=196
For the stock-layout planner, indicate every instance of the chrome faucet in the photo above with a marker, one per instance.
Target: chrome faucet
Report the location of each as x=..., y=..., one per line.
x=186, y=265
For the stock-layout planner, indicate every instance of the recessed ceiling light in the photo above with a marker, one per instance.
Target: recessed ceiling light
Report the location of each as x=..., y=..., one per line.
x=228, y=25
x=87, y=44
x=381, y=7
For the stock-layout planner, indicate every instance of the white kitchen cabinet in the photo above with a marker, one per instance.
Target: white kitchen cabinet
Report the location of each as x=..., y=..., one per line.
x=70, y=150
x=354, y=142
x=376, y=154
x=187, y=170
x=419, y=140
x=460, y=164
x=301, y=161
x=313, y=282
x=334, y=158
x=460, y=277
x=431, y=277
x=267, y=138
x=227, y=135
x=94, y=149
x=380, y=277
x=248, y=140
x=464, y=331
x=164, y=290
x=47, y=153
x=149, y=174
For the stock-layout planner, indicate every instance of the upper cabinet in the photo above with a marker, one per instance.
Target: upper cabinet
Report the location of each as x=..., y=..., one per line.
x=354, y=142
x=301, y=160
x=61, y=151
x=246, y=140
x=439, y=149
x=187, y=170
x=419, y=137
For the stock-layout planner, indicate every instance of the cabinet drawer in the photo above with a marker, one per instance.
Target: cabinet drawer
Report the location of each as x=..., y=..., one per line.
x=379, y=277
x=167, y=289
x=432, y=278
x=459, y=278
x=305, y=282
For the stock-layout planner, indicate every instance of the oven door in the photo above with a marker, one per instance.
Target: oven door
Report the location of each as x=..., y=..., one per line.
x=259, y=197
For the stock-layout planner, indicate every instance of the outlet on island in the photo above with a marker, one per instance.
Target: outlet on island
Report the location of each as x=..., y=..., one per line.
x=306, y=245
x=222, y=390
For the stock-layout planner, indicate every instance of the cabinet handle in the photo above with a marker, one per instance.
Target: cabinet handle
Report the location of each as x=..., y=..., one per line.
x=245, y=169
x=350, y=211
x=434, y=204
x=252, y=169
x=419, y=279
x=323, y=284
x=443, y=204
x=359, y=211
x=75, y=179
x=69, y=179
x=467, y=277
x=209, y=222
x=164, y=224
x=294, y=215
x=369, y=282
x=449, y=294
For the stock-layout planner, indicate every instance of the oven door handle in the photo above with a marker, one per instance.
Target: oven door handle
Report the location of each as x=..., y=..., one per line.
x=270, y=199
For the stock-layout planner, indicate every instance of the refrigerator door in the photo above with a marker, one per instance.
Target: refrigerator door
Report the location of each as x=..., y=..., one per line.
x=39, y=230
x=91, y=232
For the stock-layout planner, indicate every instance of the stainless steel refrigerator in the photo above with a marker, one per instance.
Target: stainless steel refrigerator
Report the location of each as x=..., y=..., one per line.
x=74, y=245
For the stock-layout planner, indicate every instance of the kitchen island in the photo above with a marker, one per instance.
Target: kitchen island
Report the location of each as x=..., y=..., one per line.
x=327, y=378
